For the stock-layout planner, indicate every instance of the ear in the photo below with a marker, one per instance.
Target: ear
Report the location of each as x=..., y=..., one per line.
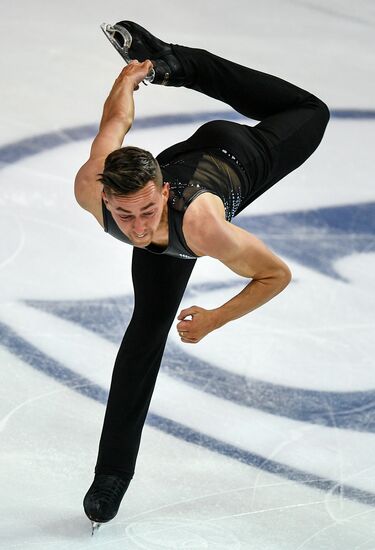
x=105, y=198
x=165, y=190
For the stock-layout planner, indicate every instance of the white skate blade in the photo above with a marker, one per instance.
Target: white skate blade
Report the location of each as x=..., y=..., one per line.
x=119, y=37
x=94, y=527
x=121, y=40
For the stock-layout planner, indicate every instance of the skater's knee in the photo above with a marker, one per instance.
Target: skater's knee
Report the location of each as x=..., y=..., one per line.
x=323, y=118
x=319, y=119
x=324, y=112
x=321, y=109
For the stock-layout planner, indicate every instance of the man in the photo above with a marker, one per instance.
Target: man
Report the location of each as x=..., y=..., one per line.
x=178, y=207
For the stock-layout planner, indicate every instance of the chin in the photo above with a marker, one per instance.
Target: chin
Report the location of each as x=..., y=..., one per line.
x=142, y=242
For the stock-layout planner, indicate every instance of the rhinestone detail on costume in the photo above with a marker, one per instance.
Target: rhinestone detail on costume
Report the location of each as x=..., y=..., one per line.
x=232, y=157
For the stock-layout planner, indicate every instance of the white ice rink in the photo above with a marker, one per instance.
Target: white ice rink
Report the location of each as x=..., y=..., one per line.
x=262, y=436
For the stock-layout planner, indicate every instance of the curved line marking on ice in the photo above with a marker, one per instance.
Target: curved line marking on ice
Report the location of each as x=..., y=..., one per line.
x=42, y=362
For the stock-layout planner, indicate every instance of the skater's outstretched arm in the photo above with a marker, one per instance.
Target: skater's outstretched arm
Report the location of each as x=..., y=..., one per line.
x=117, y=119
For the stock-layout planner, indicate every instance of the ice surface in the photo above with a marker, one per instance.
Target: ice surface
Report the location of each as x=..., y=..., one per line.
x=262, y=435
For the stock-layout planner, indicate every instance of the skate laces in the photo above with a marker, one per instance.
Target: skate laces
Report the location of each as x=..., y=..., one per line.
x=108, y=488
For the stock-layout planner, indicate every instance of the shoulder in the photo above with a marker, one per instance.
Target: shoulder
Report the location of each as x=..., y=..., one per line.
x=206, y=204
x=87, y=188
x=203, y=222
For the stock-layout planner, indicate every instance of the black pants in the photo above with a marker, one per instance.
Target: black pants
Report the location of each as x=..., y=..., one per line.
x=292, y=125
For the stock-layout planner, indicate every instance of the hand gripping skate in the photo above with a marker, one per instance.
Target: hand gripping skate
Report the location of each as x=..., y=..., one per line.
x=121, y=39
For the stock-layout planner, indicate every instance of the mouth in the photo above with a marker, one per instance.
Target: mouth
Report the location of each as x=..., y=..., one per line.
x=140, y=236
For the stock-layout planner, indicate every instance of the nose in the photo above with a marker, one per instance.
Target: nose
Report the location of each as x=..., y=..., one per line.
x=139, y=226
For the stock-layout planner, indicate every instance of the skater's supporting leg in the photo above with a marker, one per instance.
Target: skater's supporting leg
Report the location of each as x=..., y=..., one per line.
x=159, y=284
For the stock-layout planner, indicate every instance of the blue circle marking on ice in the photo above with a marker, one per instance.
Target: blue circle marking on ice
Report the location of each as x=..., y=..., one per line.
x=345, y=409
x=49, y=366
x=13, y=152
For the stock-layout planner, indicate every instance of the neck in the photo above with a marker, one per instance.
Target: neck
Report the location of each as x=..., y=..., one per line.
x=161, y=234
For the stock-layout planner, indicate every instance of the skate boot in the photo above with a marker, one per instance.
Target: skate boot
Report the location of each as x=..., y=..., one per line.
x=103, y=499
x=134, y=42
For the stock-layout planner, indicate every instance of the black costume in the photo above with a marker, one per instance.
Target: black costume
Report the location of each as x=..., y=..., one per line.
x=238, y=163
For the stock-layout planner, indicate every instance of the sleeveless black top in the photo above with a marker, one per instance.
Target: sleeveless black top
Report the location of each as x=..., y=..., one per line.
x=189, y=175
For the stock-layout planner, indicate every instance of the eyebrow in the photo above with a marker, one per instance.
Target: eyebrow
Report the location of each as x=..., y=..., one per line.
x=143, y=208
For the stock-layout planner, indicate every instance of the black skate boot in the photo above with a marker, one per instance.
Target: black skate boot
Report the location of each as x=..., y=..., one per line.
x=103, y=499
x=134, y=42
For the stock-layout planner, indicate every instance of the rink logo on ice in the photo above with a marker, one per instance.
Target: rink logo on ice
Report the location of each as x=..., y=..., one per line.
x=317, y=240
x=339, y=232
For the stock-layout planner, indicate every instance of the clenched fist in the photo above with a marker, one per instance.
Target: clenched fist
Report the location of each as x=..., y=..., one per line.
x=202, y=322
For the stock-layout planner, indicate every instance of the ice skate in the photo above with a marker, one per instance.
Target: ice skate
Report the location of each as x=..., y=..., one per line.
x=121, y=39
x=134, y=42
x=94, y=527
x=103, y=499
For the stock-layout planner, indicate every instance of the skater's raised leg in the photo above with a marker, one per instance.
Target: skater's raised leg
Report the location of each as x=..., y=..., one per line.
x=293, y=120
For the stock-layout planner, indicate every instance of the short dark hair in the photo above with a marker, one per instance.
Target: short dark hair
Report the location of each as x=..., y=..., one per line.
x=129, y=169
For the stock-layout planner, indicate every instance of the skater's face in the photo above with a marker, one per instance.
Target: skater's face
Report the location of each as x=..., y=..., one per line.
x=139, y=215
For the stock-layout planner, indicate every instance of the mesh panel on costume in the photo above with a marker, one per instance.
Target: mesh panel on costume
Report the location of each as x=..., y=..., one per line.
x=187, y=179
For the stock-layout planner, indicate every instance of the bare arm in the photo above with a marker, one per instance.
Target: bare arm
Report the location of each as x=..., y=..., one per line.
x=249, y=257
x=117, y=119
x=245, y=255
